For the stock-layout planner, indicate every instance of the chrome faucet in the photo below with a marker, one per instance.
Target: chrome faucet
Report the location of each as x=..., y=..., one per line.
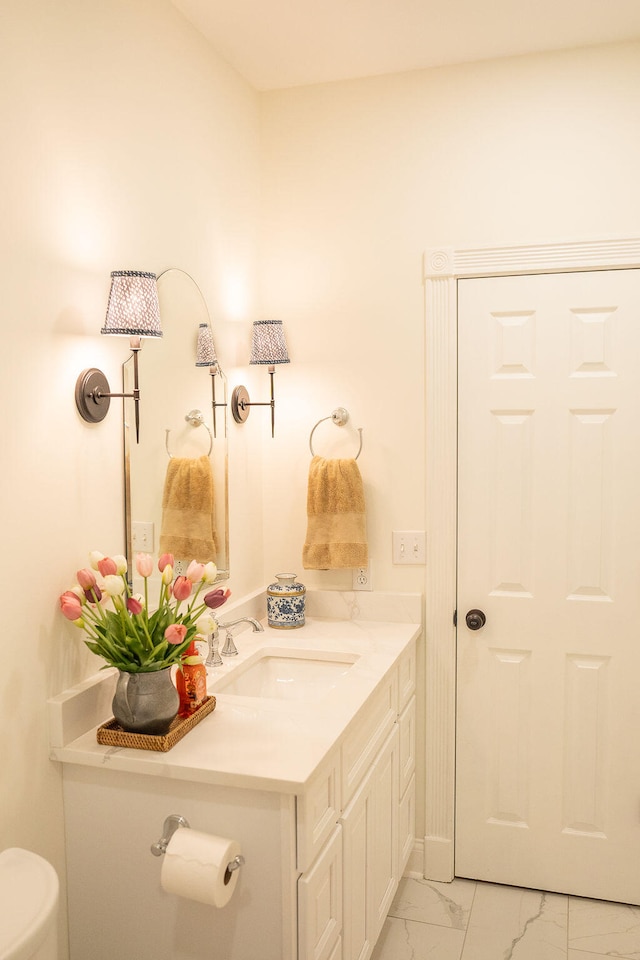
x=229, y=649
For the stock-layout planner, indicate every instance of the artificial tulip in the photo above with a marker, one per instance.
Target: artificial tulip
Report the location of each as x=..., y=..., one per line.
x=205, y=624
x=107, y=566
x=195, y=571
x=134, y=605
x=215, y=598
x=70, y=605
x=86, y=579
x=175, y=633
x=182, y=588
x=210, y=572
x=114, y=585
x=144, y=564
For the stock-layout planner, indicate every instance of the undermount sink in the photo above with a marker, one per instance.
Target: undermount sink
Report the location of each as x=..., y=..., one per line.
x=287, y=676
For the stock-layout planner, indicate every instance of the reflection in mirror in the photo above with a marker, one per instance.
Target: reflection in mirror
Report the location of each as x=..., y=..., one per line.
x=176, y=479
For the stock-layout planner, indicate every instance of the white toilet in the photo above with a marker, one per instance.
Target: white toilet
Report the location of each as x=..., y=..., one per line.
x=28, y=906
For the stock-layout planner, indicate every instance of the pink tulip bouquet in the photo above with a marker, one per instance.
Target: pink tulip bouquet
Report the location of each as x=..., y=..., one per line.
x=120, y=626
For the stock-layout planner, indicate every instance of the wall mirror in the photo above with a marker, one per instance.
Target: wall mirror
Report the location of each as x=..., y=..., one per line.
x=176, y=421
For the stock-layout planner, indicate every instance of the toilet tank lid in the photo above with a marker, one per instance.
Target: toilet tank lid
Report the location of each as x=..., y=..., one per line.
x=28, y=902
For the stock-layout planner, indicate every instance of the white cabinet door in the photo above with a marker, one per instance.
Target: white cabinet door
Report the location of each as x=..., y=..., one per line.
x=406, y=825
x=548, y=776
x=320, y=903
x=384, y=839
x=370, y=825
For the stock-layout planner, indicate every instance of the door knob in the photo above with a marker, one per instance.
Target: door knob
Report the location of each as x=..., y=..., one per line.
x=475, y=619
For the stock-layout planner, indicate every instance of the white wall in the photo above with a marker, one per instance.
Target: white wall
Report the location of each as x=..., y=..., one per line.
x=360, y=178
x=126, y=143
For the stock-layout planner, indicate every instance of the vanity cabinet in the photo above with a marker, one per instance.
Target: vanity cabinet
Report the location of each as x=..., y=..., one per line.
x=322, y=864
x=368, y=786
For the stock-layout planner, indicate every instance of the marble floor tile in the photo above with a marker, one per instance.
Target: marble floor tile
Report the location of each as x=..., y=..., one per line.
x=409, y=940
x=581, y=955
x=612, y=929
x=469, y=920
x=514, y=924
x=445, y=904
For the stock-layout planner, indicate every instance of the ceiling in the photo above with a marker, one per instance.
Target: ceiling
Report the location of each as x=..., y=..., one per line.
x=287, y=43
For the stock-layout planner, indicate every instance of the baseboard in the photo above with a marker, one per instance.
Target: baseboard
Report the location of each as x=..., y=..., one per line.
x=438, y=859
x=415, y=863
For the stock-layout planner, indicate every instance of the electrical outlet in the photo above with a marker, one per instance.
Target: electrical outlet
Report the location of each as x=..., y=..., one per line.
x=409, y=546
x=142, y=536
x=362, y=578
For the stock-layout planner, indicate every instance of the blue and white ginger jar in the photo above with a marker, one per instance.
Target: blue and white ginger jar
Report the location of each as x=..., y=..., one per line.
x=285, y=602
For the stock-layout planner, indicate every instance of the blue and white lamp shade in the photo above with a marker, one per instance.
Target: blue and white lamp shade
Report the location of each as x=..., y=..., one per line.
x=205, y=350
x=268, y=344
x=133, y=309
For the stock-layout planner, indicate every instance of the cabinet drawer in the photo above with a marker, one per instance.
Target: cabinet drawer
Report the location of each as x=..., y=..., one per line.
x=407, y=725
x=406, y=676
x=318, y=811
x=371, y=729
x=320, y=903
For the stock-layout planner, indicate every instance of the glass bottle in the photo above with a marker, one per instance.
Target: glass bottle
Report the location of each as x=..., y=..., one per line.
x=191, y=682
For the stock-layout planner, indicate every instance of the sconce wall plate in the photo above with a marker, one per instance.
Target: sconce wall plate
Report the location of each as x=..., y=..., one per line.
x=240, y=404
x=92, y=395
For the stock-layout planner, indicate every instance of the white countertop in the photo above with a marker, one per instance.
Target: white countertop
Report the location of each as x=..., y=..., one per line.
x=265, y=744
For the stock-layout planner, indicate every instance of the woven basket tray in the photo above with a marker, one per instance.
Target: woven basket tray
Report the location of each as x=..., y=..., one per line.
x=112, y=735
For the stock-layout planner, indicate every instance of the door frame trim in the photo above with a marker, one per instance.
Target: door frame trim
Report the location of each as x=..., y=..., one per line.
x=442, y=268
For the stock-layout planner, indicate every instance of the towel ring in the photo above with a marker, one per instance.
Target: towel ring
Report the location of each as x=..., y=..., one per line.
x=195, y=418
x=340, y=416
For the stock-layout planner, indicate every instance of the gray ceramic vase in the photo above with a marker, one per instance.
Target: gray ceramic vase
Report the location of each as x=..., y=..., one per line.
x=145, y=702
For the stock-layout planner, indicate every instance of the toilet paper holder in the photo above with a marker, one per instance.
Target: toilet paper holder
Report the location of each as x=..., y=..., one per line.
x=171, y=824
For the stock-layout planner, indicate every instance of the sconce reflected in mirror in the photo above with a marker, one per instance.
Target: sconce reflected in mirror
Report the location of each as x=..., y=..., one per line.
x=206, y=357
x=268, y=346
x=133, y=311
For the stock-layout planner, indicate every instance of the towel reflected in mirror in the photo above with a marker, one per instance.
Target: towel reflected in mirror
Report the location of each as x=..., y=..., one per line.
x=188, y=510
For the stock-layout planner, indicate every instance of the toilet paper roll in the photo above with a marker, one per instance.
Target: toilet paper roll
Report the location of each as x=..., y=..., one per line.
x=195, y=866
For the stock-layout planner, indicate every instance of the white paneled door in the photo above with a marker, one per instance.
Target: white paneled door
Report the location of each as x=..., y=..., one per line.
x=548, y=699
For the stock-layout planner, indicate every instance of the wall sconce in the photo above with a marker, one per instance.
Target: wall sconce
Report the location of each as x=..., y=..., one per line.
x=133, y=311
x=267, y=346
x=206, y=357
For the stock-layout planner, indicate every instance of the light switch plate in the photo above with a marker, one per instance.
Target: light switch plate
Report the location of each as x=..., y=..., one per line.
x=409, y=546
x=142, y=535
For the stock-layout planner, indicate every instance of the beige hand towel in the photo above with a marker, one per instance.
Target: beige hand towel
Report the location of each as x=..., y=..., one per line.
x=187, y=510
x=336, y=523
